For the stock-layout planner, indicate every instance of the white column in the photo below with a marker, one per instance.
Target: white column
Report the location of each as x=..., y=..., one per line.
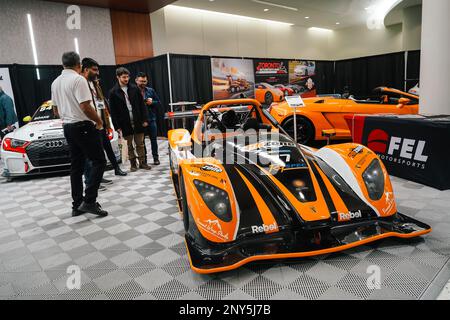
x=435, y=58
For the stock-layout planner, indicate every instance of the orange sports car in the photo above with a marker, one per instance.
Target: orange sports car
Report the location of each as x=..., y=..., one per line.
x=267, y=94
x=324, y=117
x=247, y=192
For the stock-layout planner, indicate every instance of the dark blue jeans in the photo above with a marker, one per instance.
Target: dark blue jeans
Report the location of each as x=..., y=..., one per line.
x=152, y=132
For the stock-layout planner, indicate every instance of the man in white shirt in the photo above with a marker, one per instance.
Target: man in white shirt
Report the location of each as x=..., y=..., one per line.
x=81, y=123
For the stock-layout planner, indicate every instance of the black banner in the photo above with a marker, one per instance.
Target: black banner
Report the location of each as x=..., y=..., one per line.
x=415, y=148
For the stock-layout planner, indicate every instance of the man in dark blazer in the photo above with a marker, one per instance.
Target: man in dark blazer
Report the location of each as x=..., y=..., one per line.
x=130, y=117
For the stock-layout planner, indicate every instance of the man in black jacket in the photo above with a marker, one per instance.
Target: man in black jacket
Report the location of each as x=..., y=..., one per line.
x=130, y=117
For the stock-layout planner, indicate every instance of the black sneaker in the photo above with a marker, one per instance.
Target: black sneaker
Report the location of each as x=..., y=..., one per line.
x=106, y=181
x=156, y=162
x=93, y=208
x=76, y=213
x=120, y=173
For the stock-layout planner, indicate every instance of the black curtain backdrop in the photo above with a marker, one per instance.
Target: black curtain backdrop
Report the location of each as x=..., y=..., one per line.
x=362, y=75
x=324, y=77
x=413, y=76
x=157, y=71
x=30, y=93
x=192, y=80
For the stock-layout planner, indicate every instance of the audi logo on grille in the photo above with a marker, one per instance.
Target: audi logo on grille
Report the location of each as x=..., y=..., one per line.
x=54, y=144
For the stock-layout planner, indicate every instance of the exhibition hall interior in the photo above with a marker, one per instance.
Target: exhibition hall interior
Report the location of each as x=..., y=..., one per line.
x=275, y=150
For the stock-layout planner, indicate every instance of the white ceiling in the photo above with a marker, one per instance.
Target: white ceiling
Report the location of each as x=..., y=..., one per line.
x=321, y=13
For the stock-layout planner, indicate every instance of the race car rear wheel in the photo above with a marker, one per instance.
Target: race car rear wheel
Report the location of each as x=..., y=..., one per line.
x=305, y=129
x=184, y=205
x=268, y=98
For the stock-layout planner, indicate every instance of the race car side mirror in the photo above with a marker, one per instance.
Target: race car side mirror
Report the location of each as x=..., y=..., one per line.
x=26, y=119
x=403, y=102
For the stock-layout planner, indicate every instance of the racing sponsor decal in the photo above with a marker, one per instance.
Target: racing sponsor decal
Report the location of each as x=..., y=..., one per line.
x=267, y=144
x=349, y=215
x=212, y=168
x=390, y=202
x=213, y=227
x=265, y=228
x=399, y=150
x=356, y=151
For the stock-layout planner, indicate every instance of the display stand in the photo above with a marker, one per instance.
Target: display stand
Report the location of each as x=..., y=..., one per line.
x=180, y=106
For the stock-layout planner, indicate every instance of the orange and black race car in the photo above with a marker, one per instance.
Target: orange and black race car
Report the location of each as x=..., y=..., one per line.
x=327, y=114
x=267, y=94
x=248, y=192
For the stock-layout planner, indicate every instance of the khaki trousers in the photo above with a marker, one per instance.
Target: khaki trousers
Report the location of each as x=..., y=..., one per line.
x=138, y=146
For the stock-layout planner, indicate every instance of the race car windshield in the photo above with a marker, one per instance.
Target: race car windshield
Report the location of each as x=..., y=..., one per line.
x=45, y=112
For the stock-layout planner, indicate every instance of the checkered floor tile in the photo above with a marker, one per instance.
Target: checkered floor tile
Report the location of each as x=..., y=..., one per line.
x=138, y=251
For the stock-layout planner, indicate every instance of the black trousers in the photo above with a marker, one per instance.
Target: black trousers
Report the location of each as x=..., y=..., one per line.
x=108, y=149
x=109, y=153
x=85, y=143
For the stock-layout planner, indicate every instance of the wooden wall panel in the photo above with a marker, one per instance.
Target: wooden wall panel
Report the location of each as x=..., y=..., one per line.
x=132, y=36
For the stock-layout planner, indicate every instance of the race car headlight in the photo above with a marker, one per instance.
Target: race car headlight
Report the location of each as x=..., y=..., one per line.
x=374, y=180
x=216, y=199
x=15, y=145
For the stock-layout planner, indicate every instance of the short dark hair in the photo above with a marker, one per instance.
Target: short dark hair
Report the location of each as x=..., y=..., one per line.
x=71, y=59
x=141, y=75
x=88, y=63
x=121, y=71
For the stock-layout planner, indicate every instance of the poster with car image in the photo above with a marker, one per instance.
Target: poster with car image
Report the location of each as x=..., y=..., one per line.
x=302, y=77
x=272, y=80
x=232, y=78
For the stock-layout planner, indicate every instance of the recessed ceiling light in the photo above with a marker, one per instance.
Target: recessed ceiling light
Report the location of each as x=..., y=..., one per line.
x=265, y=10
x=338, y=23
x=275, y=5
x=320, y=29
x=306, y=17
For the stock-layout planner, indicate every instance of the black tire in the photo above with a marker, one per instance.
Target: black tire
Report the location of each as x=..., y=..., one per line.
x=184, y=205
x=268, y=98
x=305, y=129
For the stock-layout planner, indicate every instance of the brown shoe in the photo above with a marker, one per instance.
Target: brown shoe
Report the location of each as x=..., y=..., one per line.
x=134, y=167
x=145, y=166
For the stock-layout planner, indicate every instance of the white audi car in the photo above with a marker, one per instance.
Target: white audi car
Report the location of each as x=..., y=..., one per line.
x=39, y=146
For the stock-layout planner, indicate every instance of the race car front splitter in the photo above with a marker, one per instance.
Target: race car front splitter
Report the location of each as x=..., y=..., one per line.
x=305, y=242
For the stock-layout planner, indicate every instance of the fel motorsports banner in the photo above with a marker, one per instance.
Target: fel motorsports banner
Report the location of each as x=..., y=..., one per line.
x=411, y=147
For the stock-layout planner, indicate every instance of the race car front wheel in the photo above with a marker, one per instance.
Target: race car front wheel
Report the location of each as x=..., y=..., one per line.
x=305, y=129
x=268, y=98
